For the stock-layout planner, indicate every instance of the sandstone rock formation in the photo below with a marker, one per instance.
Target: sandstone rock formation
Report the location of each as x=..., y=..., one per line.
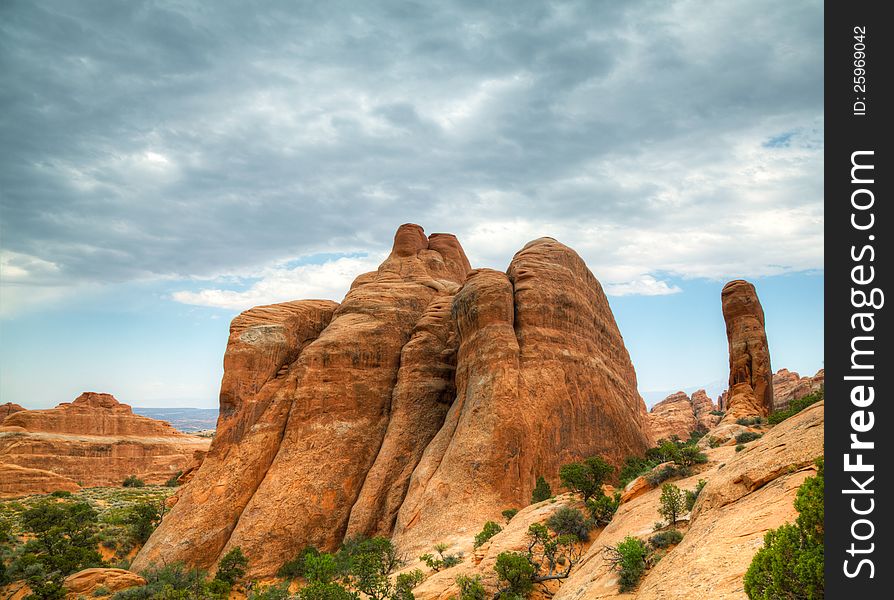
x=751, y=378
x=88, y=581
x=8, y=408
x=680, y=415
x=788, y=386
x=93, y=441
x=747, y=493
x=21, y=481
x=425, y=404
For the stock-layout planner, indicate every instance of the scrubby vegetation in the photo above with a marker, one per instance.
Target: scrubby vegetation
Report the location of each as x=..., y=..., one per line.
x=602, y=508
x=667, y=538
x=791, y=563
x=747, y=436
x=586, y=477
x=132, y=481
x=442, y=560
x=471, y=588
x=796, y=406
x=692, y=495
x=172, y=482
x=570, y=521
x=747, y=421
x=683, y=455
x=671, y=503
x=489, y=530
x=542, y=491
x=509, y=513
x=629, y=559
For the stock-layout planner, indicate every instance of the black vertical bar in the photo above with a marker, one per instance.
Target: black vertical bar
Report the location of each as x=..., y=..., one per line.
x=859, y=378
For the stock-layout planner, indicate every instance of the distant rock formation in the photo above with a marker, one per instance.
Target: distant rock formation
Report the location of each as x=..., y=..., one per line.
x=9, y=408
x=425, y=404
x=679, y=415
x=93, y=441
x=750, y=390
x=788, y=386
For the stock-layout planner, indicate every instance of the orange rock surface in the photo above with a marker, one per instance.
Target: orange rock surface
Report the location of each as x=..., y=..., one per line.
x=8, y=408
x=18, y=481
x=788, y=386
x=422, y=406
x=93, y=441
x=750, y=378
x=89, y=581
x=679, y=415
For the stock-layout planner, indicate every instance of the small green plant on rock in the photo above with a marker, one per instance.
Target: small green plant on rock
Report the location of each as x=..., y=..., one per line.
x=489, y=530
x=586, y=477
x=629, y=559
x=692, y=495
x=471, y=588
x=542, y=491
x=570, y=521
x=442, y=560
x=666, y=538
x=509, y=513
x=671, y=503
x=747, y=436
x=231, y=567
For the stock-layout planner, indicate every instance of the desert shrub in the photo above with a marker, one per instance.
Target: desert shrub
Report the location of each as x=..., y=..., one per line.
x=471, y=588
x=602, y=508
x=366, y=565
x=404, y=584
x=692, y=495
x=661, y=475
x=570, y=521
x=747, y=436
x=132, y=481
x=690, y=455
x=320, y=567
x=293, y=569
x=791, y=563
x=796, y=406
x=142, y=519
x=442, y=560
x=667, y=538
x=170, y=581
x=695, y=436
x=629, y=559
x=665, y=451
x=717, y=413
x=61, y=494
x=509, y=513
x=586, y=477
x=634, y=466
x=172, y=482
x=102, y=591
x=489, y=530
x=62, y=539
x=713, y=442
x=231, y=567
x=271, y=592
x=542, y=491
x=671, y=503
x=325, y=591
x=516, y=575
x=749, y=421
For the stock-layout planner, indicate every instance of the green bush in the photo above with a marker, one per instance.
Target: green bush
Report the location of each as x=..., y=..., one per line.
x=172, y=482
x=271, y=592
x=142, y=519
x=634, y=466
x=666, y=538
x=231, y=567
x=489, y=530
x=749, y=421
x=366, y=565
x=570, y=521
x=172, y=581
x=602, y=508
x=325, y=591
x=717, y=413
x=586, y=477
x=132, y=481
x=293, y=569
x=740, y=447
x=658, y=477
x=690, y=455
x=542, y=491
x=61, y=494
x=516, y=574
x=629, y=559
x=671, y=503
x=442, y=560
x=791, y=563
x=747, y=436
x=471, y=588
x=796, y=406
x=509, y=513
x=692, y=495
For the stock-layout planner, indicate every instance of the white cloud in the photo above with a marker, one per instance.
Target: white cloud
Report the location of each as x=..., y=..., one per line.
x=329, y=280
x=644, y=286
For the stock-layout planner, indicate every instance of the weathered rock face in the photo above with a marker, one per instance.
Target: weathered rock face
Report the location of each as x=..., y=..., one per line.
x=423, y=405
x=94, y=441
x=89, y=581
x=679, y=415
x=8, y=408
x=751, y=378
x=18, y=481
x=788, y=386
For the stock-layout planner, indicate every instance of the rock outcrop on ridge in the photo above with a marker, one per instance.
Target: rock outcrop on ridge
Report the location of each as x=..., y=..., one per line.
x=8, y=408
x=679, y=415
x=93, y=441
x=788, y=386
x=425, y=404
x=750, y=390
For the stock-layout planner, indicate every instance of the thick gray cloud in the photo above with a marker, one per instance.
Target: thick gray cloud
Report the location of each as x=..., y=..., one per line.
x=166, y=139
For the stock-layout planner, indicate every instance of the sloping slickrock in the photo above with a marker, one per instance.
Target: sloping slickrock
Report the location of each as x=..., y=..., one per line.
x=543, y=378
x=751, y=378
x=255, y=401
x=8, y=408
x=788, y=386
x=747, y=493
x=95, y=441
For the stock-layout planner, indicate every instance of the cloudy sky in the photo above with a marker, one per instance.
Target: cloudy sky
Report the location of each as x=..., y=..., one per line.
x=166, y=164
